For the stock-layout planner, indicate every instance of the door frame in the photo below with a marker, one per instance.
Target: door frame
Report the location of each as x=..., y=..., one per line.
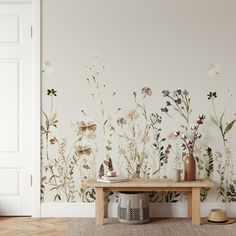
x=36, y=102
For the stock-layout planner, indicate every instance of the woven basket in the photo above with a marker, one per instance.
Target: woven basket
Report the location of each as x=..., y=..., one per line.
x=133, y=208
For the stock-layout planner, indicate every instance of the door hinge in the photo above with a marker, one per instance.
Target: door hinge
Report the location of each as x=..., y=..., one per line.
x=31, y=31
x=31, y=180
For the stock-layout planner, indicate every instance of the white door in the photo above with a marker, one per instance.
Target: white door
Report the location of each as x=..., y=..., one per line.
x=15, y=109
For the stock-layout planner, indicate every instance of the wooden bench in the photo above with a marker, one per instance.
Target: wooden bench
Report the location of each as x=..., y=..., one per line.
x=147, y=185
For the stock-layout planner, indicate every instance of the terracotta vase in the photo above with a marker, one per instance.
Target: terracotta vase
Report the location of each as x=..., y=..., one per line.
x=189, y=168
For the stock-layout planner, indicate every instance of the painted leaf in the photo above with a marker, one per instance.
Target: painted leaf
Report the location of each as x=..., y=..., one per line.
x=229, y=126
x=221, y=119
x=214, y=120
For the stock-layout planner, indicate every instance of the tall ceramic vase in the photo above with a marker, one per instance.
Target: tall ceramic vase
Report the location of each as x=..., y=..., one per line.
x=189, y=168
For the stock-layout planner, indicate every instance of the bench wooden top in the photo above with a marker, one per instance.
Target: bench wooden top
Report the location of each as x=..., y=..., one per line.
x=149, y=183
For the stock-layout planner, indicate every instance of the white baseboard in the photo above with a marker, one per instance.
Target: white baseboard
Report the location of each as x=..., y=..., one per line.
x=156, y=209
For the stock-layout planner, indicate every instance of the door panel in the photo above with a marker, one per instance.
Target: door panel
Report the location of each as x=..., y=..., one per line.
x=16, y=109
x=9, y=91
x=9, y=29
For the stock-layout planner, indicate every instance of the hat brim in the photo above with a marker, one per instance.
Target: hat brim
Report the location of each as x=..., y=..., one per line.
x=229, y=221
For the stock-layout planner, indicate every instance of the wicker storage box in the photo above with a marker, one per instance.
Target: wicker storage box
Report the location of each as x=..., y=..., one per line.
x=133, y=208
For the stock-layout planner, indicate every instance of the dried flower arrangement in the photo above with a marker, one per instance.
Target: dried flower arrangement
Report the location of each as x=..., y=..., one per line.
x=190, y=139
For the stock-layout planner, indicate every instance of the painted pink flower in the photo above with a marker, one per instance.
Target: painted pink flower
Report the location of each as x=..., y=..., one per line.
x=133, y=115
x=146, y=91
x=121, y=121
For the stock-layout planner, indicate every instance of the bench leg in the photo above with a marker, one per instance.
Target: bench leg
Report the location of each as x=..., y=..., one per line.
x=99, y=206
x=190, y=204
x=196, y=206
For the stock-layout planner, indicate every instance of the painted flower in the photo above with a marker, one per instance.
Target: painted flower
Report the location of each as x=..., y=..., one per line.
x=189, y=141
x=82, y=126
x=53, y=140
x=198, y=135
x=200, y=119
x=202, y=116
x=211, y=95
x=145, y=138
x=165, y=109
x=81, y=150
x=166, y=93
x=121, y=121
x=185, y=92
x=183, y=136
x=177, y=92
x=146, y=91
x=178, y=101
x=168, y=103
x=133, y=115
x=52, y=92
x=155, y=118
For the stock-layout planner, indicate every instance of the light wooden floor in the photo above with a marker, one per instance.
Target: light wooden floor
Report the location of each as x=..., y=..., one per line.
x=27, y=226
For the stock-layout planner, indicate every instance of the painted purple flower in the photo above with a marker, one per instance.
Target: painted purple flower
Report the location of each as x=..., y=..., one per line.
x=178, y=101
x=121, y=121
x=177, y=92
x=146, y=91
x=165, y=109
x=185, y=92
x=166, y=93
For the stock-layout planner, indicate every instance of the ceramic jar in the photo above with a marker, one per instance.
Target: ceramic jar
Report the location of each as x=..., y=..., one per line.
x=177, y=175
x=189, y=168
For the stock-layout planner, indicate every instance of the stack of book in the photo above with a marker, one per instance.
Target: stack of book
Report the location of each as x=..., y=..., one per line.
x=109, y=179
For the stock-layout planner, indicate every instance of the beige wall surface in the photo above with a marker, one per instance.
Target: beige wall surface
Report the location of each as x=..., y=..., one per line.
x=112, y=68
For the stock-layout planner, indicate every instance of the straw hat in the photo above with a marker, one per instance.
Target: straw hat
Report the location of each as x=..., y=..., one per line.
x=218, y=216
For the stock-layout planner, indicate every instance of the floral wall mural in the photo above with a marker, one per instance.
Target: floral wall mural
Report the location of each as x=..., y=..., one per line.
x=142, y=114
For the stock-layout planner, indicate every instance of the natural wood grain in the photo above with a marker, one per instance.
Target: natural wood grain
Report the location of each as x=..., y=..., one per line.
x=134, y=183
x=196, y=206
x=146, y=189
x=27, y=226
x=190, y=204
x=99, y=206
